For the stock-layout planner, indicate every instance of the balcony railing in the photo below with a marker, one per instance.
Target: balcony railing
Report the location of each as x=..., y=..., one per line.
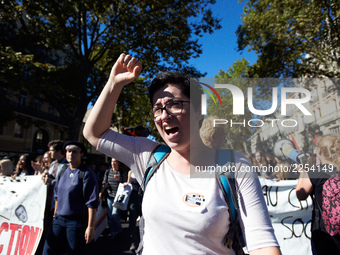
x=31, y=111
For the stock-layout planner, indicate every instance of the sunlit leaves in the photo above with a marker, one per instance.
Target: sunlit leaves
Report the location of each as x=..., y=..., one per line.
x=292, y=38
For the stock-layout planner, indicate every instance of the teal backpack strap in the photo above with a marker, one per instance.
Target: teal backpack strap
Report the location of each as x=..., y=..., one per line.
x=158, y=155
x=226, y=180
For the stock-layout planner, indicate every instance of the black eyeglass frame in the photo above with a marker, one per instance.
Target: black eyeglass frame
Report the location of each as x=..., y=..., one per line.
x=152, y=114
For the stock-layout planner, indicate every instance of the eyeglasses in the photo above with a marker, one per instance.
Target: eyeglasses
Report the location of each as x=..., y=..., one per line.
x=173, y=108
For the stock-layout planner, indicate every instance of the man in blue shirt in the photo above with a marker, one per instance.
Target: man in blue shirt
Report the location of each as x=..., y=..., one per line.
x=76, y=200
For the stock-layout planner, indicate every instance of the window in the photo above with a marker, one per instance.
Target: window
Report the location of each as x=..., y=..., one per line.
x=38, y=104
x=317, y=114
x=18, y=130
x=61, y=135
x=51, y=110
x=40, y=135
x=335, y=130
x=22, y=98
x=331, y=107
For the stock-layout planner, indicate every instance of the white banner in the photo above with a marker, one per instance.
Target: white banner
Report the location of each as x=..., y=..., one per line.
x=291, y=218
x=22, y=206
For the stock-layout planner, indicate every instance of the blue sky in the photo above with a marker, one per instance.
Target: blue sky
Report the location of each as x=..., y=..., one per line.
x=220, y=48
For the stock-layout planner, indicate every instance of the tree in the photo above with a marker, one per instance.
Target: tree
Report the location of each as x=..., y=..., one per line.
x=75, y=43
x=292, y=38
x=239, y=69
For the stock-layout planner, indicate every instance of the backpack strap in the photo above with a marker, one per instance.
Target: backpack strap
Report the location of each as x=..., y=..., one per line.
x=63, y=169
x=226, y=180
x=157, y=156
x=80, y=175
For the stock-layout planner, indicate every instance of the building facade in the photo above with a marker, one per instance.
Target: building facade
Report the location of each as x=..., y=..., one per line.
x=302, y=129
x=35, y=123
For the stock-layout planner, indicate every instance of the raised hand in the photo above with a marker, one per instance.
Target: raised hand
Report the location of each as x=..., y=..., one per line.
x=125, y=70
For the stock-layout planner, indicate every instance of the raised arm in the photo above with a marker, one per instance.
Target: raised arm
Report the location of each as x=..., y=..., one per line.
x=304, y=186
x=125, y=70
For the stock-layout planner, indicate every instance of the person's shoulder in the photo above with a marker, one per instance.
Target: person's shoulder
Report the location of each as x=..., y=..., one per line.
x=241, y=158
x=245, y=169
x=53, y=163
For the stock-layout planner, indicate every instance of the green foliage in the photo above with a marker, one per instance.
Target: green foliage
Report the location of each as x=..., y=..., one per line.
x=239, y=69
x=292, y=38
x=237, y=135
x=73, y=45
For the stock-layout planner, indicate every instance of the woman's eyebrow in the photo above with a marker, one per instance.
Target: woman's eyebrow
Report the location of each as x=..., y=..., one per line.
x=166, y=101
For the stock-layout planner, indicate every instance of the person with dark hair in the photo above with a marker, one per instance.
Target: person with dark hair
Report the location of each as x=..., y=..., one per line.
x=281, y=170
x=24, y=166
x=112, y=178
x=57, y=154
x=76, y=200
x=42, y=163
x=59, y=162
x=134, y=209
x=261, y=164
x=173, y=224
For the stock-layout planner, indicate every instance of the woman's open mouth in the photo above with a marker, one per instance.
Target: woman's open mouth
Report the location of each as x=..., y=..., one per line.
x=171, y=130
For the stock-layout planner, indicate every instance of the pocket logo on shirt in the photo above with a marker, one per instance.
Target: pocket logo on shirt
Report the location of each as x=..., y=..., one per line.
x=193, y=199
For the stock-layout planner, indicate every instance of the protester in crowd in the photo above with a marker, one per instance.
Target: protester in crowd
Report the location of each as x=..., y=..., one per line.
x=311, y=183
x=42, y=163
x=112, y=178
x=261, y=165
x=76, y=200
x=6, y=167
x=271, y=160
x=59, y=162
x=46, y=162
x=24, y=166
x=11, y=158
x=172, y=226
x=57, y=154
x=37, y=165
x=282, y=170
x=212, y=136
x=134, y=210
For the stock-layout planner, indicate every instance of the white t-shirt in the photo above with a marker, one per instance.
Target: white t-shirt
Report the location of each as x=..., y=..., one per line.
x=186, y=215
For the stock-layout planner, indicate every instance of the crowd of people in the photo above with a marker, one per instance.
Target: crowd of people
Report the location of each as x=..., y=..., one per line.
x=272, y=167
x=265, y=165
x=170, y=223
x=74, y=191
